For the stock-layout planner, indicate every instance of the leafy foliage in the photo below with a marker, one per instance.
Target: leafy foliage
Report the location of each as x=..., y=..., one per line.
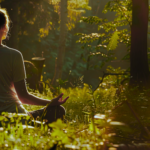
x=89, y=121
x=75, y=9
x=113, y=41
x=109, y=32
x=37, y=33
x=92, y=121
x=79, y=129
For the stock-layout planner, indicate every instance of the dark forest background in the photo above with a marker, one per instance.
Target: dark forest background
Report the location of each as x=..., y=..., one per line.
x=48, y=28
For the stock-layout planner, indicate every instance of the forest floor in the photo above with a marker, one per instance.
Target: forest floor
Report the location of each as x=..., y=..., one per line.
x=99, y=120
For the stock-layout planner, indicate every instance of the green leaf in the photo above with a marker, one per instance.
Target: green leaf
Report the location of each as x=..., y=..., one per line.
x=58, y=124
x=113, y=41
x=88, y=113
x=2, y=118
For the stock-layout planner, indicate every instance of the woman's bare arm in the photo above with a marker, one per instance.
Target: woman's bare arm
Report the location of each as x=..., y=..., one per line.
x=27, y=98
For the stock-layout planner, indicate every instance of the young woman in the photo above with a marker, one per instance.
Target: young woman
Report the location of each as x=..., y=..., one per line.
x=13, y=91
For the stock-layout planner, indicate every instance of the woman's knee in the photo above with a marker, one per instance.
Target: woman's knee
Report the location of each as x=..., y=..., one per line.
x=54, y=113
x=58, y=109
x=62, y=110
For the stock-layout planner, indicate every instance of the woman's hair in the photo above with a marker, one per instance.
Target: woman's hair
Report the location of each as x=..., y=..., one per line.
x=4, y=18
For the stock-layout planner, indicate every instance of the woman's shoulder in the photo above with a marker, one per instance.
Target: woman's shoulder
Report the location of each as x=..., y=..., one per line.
x=14, y=51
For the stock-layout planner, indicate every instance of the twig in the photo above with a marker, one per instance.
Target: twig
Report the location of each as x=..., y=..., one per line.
x=106, y=74
x=118, y=105
x=137, y=118
x=135, y=115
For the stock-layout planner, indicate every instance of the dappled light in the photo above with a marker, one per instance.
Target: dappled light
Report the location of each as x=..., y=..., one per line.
x=74, y=75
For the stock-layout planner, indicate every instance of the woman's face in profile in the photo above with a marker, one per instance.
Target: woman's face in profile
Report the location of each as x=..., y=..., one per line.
x=4, y=31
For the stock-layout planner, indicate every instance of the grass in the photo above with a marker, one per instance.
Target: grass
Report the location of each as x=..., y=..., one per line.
x=88, y=124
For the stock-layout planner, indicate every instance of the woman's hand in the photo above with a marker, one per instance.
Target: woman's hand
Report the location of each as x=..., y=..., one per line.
x=58, y=100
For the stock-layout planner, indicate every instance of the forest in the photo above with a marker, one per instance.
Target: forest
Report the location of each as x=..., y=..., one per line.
x=97, y=52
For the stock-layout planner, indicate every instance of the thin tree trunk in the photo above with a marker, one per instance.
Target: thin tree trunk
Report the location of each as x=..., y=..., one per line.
x=91, y=3
x=139, y=69
x=62, y=40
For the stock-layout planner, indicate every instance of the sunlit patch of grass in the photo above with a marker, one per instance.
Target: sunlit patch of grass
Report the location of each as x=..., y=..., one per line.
x=80, y=99
x=48, y=96
x=14, y=135
x=87, y=124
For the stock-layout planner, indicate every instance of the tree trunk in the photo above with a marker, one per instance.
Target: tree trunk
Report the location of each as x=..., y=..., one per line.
x=62, y=41
x=91, y=3
x=139, y=69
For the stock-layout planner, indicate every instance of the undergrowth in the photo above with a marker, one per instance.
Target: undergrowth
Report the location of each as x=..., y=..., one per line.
x=92, y=121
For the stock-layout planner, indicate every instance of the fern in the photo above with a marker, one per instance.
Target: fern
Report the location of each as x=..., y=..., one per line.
x=113, y=41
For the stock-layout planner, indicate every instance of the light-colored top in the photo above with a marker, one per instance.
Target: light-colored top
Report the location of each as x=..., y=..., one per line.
x=12, y=69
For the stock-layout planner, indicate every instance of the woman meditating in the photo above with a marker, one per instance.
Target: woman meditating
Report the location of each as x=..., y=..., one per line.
x=13, y=91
